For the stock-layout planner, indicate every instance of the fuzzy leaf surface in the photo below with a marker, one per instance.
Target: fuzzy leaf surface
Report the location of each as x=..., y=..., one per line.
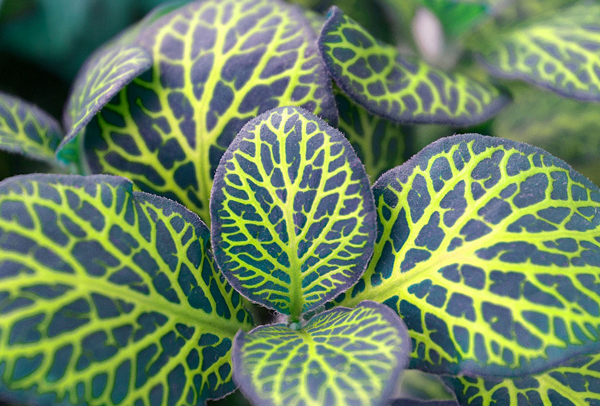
x=27, y=130
x=560, y=52
x=398, y=88
x=293, y=217
x=341, y=357
x=574, y=384
x=216, y=65
x=109, y=296
x=379, y=143
x=490, y=251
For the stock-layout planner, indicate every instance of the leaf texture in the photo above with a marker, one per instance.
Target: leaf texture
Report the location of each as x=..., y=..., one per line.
x=575, y=384
x=560, y=52
x=490, y=251
x=293, y=217
x=390, y=85
x=109, y=296
x=27, y=130
x=379, y=143
x=217, y=64
x=341, y=357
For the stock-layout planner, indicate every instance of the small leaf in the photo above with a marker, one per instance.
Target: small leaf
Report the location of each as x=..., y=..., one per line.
x=490, y=251
x=390, y=85
x=559, y=52
x=341, y=357
x=102, y=77
x=292, y=210
x=574, y=384
x=216, y=66
x=27, y=130
x=457, y=16
x=109, y=296
x=379, y=143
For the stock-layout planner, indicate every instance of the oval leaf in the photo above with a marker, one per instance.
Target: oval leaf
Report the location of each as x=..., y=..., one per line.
x=109, y=296
x=379, y=143
x=560, y=52
x=101, y=78
x=490, y=251
x=27, y=130
x=341, y=357
x=293, y=213
x=390, y=85
x=574, y=384
x=216, y=66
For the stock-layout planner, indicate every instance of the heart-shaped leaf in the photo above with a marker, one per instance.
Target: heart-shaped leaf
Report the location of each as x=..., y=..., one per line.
x=379, y=143
x=390, y=85
x=27, y=130
x=293, y=213
x=559, y=52
x=217, y=64
x=490, y=251
x=109, y=296
x=341, y=357
x=575, y=384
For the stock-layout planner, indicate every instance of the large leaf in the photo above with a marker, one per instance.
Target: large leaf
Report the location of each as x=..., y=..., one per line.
x=567, y=128
x=490, y=251
x=575, y=384
x=27, y=130
x=560, y=52
x=110, y=296
x=217, y=64
x=390, y=85
x=379, y=143
x=341, y=357
x=293, y=213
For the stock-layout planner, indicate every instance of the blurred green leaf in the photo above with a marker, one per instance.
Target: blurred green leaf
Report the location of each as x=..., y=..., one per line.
x=457, y=16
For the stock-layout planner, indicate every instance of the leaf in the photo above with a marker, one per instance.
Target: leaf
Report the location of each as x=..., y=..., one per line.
x=216, y=66
x=490, y=252
x=559, y=52
x=574, y=384
x=395, y=87
x=293, y=217
x=457, y=16
x=379, y=143
x=568, y=129
x=109, y=296
x=106, y=72
x=27, y=130
x=341, y=357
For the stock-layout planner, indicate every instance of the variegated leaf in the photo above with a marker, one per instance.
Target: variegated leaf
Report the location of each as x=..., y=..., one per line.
x=217, y=64
x=27, y=130
x=575, y=384
x=109, y=296
x=341, y=357
x=560, y=52
x=490, y=251
x=398, y=88
x=379, y=143
x=293, y=217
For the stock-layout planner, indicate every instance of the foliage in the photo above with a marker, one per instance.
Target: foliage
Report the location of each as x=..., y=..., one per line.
x=230, y=156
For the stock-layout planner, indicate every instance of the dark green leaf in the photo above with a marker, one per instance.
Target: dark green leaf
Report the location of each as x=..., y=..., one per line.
x=216, y=66
x=379, y=143
x=293, y=217
x=560, y=52
x=490, y=251
x=390, y=85
x=341, y=357
x=109, y=296
x=573, y=384
x=27, y=130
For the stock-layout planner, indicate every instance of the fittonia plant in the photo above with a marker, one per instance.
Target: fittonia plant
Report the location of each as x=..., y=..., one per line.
x=476, y=260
